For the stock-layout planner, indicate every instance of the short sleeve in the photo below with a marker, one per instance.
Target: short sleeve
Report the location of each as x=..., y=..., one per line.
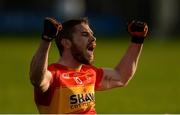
x=45, y=98
x=51, y=68
x=99, y=76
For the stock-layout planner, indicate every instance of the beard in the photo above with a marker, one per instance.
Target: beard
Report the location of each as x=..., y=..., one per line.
x=79, y=55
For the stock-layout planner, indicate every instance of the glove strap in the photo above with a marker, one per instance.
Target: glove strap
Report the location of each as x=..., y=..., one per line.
x=137, y=40
x=47, y=38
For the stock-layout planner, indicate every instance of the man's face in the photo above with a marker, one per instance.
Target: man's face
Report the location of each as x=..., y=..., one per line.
x=83, y=44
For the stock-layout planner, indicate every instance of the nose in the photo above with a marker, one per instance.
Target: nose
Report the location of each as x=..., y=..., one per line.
x=93, y=38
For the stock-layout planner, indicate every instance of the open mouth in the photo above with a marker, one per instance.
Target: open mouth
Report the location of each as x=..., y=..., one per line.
x=90, y=48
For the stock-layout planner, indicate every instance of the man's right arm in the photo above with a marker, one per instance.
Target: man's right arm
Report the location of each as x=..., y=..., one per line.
x=39, y=75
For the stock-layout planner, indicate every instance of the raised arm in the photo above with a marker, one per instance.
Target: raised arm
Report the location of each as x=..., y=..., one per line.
x=125, y=69
x=39, y=75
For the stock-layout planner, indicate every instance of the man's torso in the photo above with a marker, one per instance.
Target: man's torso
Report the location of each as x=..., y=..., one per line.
x=71, y=91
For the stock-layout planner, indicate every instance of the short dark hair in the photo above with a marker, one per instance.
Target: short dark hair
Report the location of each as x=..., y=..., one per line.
x=67, y=31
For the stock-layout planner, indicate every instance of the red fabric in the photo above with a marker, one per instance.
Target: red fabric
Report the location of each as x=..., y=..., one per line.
x=59, y=73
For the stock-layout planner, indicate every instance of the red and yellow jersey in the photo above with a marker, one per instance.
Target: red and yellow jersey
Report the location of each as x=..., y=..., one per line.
x=70, y=91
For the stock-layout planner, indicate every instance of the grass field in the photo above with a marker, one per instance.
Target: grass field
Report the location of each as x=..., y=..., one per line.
x=154, y=89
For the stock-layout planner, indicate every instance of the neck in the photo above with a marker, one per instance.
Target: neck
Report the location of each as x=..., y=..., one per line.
x=70, y=62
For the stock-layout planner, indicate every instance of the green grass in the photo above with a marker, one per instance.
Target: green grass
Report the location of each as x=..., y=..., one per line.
x=154, y=88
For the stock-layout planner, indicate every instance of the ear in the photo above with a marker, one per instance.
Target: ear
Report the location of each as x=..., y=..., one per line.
x=66, y=43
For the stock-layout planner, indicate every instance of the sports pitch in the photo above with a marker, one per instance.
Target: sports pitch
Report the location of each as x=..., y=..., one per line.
x=154, y=89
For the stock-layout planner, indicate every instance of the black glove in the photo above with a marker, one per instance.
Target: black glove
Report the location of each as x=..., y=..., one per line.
x=138, y=30
x=51, y=29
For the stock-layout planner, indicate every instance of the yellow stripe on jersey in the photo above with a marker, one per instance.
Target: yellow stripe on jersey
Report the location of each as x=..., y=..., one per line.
x=72, y=100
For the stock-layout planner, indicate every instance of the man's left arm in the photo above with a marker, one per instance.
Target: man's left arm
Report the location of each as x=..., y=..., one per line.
x=125, y=69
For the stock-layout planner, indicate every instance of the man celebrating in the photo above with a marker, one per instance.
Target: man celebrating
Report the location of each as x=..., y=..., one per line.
x=68, y=85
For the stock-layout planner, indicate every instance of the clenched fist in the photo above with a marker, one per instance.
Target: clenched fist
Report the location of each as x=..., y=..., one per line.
x=51, y=29
x=138, y=30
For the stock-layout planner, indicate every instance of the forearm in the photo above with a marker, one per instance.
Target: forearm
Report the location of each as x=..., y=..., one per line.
x=126, y=68
x=39, y=63
x=128, y=64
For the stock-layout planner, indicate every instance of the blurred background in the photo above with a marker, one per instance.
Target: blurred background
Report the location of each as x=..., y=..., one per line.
x=155, y=87
x=107, y=17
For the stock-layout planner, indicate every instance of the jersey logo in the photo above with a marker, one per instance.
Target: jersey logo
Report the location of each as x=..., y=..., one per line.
x=88, y=78
x=82, y=100
x=78, y=80
x=65, y=76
